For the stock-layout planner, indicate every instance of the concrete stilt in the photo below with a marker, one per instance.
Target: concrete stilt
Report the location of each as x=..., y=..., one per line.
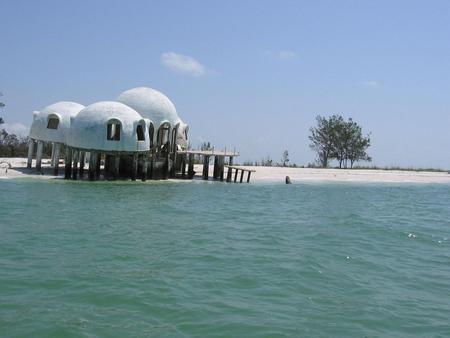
x=75, y=158
x=68, y=163
x=98, y=166
x=242, y=176
x=82, y=162
x=205, y=167
x=174, y=161
x=152, y=161
x=221, y=167
x=56, y=159
x=235, y=175
x=230, y=171
x=134, y=167
x=165, y=172
x=108, y=162
x=183, y=166
x=40, y=149
x=216, y=173
x=52, y=158
x=144, y=168
x=92, y=165
x=116, y=170
x=191, y=166
x=30, y=153
x=248, y=176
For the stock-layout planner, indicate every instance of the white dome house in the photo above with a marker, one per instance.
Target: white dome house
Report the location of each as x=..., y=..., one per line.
x=158, y=108
x=51, y=124
x=151, y=104
x=110, y=127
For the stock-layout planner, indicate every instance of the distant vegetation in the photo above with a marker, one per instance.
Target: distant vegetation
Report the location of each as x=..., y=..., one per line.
x=402, y=169
x=12, y=145
x=268, y=162
x=333, y=138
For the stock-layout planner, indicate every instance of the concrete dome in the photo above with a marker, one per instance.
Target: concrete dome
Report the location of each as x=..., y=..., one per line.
x=44, y=130
x=151, y=104
x=89, y=129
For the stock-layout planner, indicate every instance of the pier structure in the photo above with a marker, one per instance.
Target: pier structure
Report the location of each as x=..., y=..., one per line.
x=222, y=169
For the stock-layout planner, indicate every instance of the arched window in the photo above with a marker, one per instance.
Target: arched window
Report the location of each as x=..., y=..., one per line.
x=53, y=122
x=151, y=133
x=140, y=133
x=174, y=137
x=163, y=134
x=113, y=131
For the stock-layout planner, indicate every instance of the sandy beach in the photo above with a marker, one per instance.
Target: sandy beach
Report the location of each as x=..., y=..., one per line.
x=11, y=168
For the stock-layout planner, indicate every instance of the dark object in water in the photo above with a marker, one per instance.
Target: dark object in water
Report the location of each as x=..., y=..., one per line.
x=288, y=180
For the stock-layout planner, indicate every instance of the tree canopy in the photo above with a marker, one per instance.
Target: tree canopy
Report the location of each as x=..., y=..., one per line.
x=285, y=158
x=11, y=145
x=335, y=138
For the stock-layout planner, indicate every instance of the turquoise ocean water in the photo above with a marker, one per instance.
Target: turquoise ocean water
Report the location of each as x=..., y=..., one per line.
x=168, y=259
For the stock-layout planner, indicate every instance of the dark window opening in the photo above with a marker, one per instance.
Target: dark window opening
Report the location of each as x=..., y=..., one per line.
x=52, y=123
x=174, y=138
x=151, y=133
x=113, y=132
x=140, y=133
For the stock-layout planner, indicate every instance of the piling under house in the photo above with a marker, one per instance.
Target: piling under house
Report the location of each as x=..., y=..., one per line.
x=139, y=135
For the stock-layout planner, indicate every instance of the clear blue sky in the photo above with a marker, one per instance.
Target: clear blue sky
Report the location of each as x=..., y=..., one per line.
x=250, y=74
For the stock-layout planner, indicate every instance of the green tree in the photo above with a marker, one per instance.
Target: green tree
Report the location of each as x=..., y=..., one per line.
x=206, y=146
x=357, y=148
x=12, y=142
x=3, y=132
x=285, y=158
x=335, y=138
x=266, y=162
x=344, y=133
x=3, y=135
x=1, y=106
x=323, y=138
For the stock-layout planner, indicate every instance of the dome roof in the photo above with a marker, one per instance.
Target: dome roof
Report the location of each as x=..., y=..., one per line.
x=89, y=128
x=62, y=111
x=101, y=112
x=151, y=104
x=64, y=108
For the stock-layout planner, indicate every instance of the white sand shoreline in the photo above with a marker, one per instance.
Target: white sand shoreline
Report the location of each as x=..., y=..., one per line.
x=11, y=168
